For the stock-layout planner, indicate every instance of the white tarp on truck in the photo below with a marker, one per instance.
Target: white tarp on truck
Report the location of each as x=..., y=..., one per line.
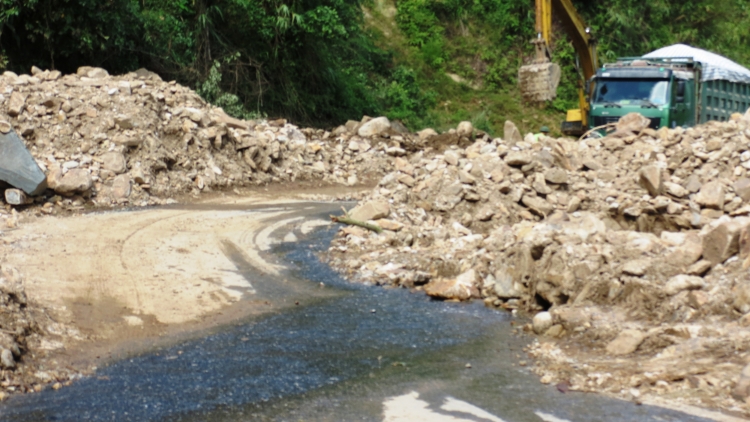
x=715, y=67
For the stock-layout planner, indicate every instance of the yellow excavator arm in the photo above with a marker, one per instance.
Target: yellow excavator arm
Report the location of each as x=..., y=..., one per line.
x=539, y=80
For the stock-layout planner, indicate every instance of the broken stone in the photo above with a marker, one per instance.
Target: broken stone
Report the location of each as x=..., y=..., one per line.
x=462, y=287
x=74, y=181
x=517, y=159
x=372, y=210
x=537, y=205
x=682, y=282
x=121, y=187
x=511, y=134
x=6, y=359
x=651, y=180
x=632, y=123
x=465, y=129
x=451, y=158
x=374, y=127
x=466, y=178
x=541, y=322
x=741, y=390
x=556, y=176
x=742, y=188
x=16, y=104
x=426, y=134
x=711, y=195
x=114, y=162
x=722, y=241
x=625, y=343
x=636, y=267
x=391, y=225
x=699, y=268
x=17, y=197
x=17, y=166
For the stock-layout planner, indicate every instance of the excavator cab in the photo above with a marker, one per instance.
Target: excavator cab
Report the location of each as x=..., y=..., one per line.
x=539, y=80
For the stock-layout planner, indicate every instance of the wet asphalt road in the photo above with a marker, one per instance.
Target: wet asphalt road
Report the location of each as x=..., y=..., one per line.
x=339, y=358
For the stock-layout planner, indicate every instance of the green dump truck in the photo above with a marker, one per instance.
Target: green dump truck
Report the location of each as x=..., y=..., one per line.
x=674, y=86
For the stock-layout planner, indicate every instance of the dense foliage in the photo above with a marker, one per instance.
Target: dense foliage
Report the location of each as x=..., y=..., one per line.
x=429, y=62
x=309, y=60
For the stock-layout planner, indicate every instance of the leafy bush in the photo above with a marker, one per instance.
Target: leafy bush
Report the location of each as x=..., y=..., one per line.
x=403, y=99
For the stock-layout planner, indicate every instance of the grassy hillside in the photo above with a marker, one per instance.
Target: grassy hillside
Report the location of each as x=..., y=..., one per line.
x=464, y=66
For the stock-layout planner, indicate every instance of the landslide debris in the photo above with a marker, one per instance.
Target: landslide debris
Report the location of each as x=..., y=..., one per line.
x=136, y=140
x=635, y=248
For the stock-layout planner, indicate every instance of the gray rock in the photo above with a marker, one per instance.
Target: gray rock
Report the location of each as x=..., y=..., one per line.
x=18, y=168
x=17, y=197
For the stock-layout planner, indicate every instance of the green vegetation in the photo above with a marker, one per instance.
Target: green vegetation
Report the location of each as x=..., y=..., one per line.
x=321, y=62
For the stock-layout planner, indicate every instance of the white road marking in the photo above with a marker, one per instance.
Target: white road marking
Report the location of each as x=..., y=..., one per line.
x=692, y=410
x=409, y=408
x=263, y=239
x=453, y=405
x=546, y=417
x=308, y=226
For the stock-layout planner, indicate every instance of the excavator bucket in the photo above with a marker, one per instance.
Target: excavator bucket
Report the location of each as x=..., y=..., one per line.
x=539, y=81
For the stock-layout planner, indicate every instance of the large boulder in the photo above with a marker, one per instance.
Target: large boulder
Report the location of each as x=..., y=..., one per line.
x=374, y=127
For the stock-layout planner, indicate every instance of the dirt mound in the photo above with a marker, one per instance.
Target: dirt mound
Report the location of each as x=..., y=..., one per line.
x=635, y=243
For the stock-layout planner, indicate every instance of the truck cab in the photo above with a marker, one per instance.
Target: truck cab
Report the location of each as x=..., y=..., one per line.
x=663, y=90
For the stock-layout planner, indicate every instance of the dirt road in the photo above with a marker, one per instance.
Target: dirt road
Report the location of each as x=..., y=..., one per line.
x=111, y=278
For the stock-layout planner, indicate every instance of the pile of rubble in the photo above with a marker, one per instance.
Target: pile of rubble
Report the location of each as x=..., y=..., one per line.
x=634, y=246
x=137, y=140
